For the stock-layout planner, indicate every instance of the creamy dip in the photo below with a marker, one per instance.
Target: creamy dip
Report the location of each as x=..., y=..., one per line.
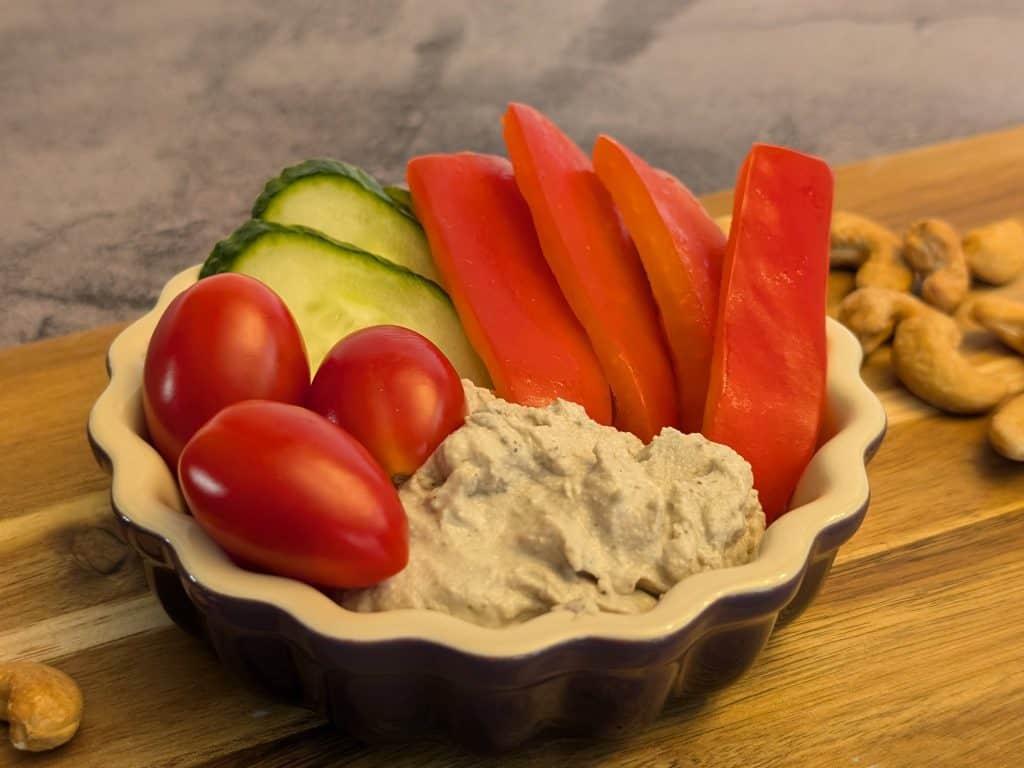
x=524, y=510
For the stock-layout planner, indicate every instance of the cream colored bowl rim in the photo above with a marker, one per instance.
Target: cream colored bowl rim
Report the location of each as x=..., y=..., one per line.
x=832, y=490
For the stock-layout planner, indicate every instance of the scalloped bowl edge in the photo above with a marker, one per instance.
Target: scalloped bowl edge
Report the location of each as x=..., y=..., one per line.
x=828, y=506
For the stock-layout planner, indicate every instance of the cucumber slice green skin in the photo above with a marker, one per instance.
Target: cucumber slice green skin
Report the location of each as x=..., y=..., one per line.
x=334, y=288
x=347, y=204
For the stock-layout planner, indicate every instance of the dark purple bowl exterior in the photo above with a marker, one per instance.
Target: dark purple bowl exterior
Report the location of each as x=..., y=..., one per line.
x=407, y=689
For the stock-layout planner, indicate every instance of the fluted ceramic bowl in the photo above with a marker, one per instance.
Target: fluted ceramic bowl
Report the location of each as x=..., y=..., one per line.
x=409, y=673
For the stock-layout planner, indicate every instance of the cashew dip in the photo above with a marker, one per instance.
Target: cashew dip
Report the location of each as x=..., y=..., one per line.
x=524, y=510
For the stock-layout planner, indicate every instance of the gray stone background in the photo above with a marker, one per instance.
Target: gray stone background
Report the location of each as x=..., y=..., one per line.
x=134, y=134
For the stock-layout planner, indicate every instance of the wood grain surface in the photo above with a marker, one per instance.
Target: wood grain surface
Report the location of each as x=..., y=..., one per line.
x=912, y=655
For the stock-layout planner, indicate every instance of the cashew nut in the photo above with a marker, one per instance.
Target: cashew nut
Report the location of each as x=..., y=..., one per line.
x=932, y=248
x=840, y=285
x=995, y=252
x=873, y=313
x=1006, y=430
x=42, y=705
x=1002, y=317
x=859, y=243
x=927, y=361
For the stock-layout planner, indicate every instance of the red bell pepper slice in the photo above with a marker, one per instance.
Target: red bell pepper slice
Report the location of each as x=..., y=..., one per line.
x=485, y=247
x=596, y=267
x=767, y=389
x=682, y=249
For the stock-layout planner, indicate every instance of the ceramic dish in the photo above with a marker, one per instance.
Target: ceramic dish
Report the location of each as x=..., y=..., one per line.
x=403, y=674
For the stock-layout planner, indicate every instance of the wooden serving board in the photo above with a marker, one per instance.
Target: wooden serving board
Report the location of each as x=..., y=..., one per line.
x=912, y=655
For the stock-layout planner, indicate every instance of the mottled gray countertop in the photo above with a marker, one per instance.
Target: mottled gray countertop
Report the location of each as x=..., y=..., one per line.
x=134, y=135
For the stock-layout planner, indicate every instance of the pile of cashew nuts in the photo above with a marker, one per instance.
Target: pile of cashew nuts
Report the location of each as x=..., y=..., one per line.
x=42, y=705
x=915, y=290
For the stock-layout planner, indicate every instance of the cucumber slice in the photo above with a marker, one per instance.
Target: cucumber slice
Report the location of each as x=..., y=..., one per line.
x=347, y=204
x=333, y=289
x=402, y=196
